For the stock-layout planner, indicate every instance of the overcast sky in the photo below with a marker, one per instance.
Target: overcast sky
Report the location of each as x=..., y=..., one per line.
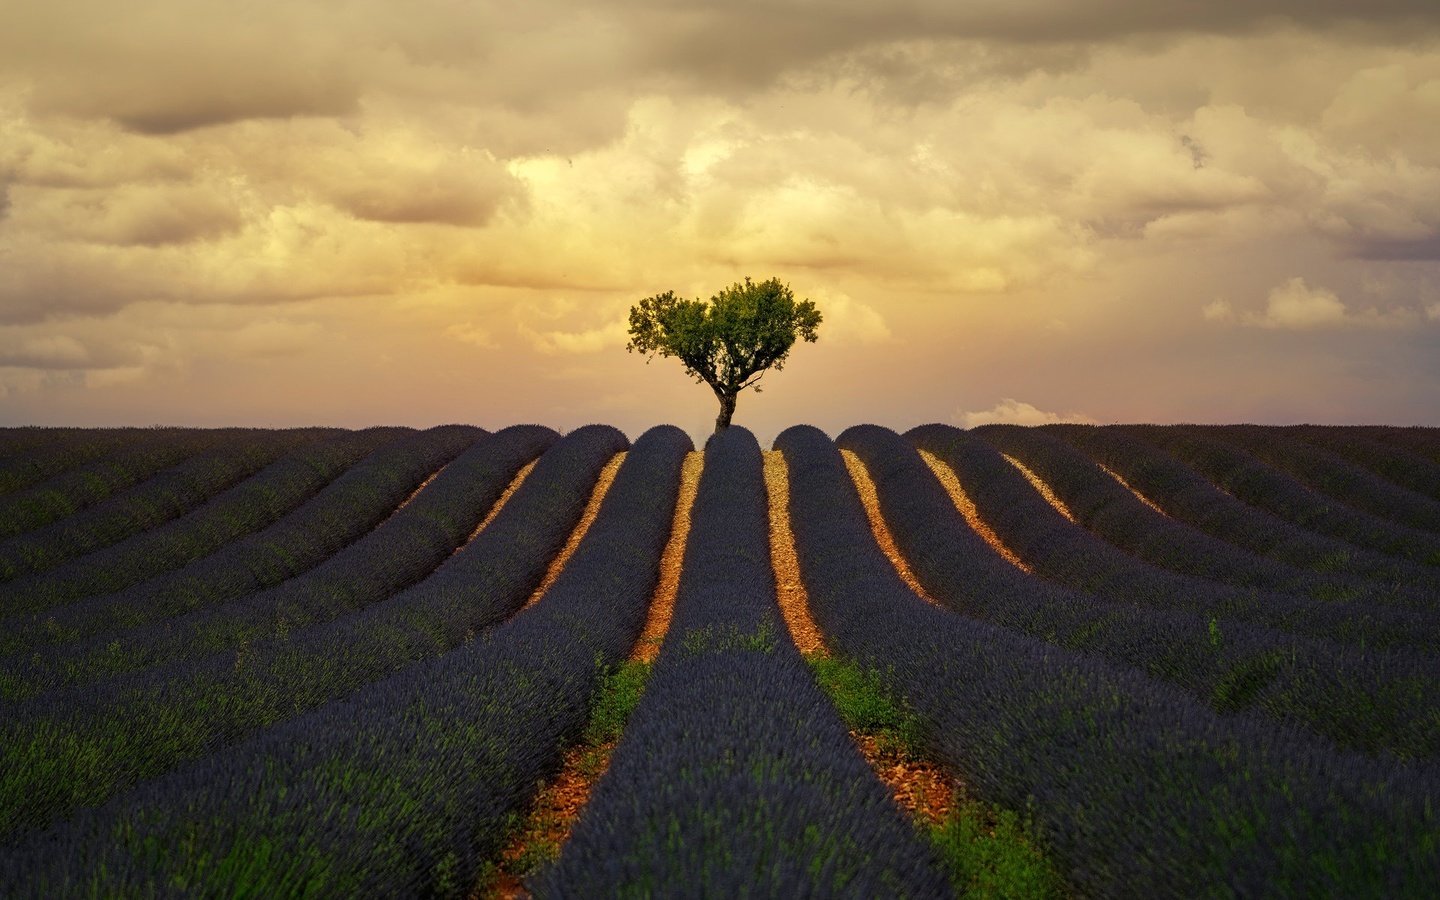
x=287, y=213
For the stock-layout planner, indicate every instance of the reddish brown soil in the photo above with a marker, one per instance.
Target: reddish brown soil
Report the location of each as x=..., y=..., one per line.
x=592, y=508
x=967, y=508
x=500, y=504
x=1042, y=487
x=662, y=602
x=789, y=589
x=1126, y=485
x=866, y=488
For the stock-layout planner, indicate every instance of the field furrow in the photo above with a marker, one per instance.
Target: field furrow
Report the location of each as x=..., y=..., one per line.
x=1332, y=475
x=1185, y=494
x=734, y=770
x=31, y=455
x=148, y=722
x=131, y=462
x=344, y=511
x=1368, y=701
x=154, y=502
x=408, y=787
x=1112, y=512
x=1248, y=479
x=1136, y=787
x=1074, y=557
x=1363, y=447
x=1044, y=662
x=248, y=507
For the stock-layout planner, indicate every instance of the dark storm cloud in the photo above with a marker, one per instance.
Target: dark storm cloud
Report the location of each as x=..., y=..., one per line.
x=169, y=66
x=751, y=43
x=1398, y=250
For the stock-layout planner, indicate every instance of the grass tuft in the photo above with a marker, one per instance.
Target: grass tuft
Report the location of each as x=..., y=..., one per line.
x=992, y=852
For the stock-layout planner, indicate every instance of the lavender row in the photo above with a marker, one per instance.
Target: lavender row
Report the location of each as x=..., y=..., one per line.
x=735, y=772
x=1137, y=788
x=1365, y=701
x=1062, y=551
x=1333, y=476
x=1423, y=441
x=1242, y=475
x=1186, y=495
x=247, y=507
x=128, y=464
x=1365, y=447
x=154, y=501
x=144, y=723
x=400, y=551
x=348, y=508
x=403, y=788
x=1103, y=506
x=30, y=455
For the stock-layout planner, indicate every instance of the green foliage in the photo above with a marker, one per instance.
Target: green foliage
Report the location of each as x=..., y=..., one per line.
x=992, y=852
x=867, y=705
x=615, y=699
x=712, y=639
x=1246, y=679
x=729, y=341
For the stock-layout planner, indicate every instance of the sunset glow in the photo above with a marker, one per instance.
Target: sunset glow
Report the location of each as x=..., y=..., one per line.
x=348, y=214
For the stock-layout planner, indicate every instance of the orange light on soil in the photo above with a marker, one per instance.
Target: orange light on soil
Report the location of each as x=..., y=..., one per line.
x=871, y=501
x=968, y=510
x=789, y=589
x=662, y=601
x=1041, y=486
x=1126, y=485
x=505, y=496
x=592, y=508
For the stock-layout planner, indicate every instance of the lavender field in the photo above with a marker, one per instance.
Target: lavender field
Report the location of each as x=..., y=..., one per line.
x=1162, y=661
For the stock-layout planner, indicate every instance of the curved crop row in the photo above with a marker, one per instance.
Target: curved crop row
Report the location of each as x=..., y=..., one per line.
x=347, y=509
x=147, y=722
x=1424, y=441
x=152, y=502
x=405, y=788
x=1365, y=448
x=1137, y=788
x=735, y=772
x=1239, y=473
x=130, y=463
x=1185, y=494
x=1071, y=555
x=1367, y=701
x=1105, y=507
x=1333, y=476
x=31, y=455
x=249, y=506
x=402, y=550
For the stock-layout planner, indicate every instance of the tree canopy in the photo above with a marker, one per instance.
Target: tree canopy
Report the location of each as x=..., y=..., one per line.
x=728, y=342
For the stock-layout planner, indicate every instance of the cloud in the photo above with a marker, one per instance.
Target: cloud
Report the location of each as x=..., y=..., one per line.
x=42, y=352
x=475, y=335
x=400, y=174
x=271, y=338
x=1218, y=310
x=848, y=322
x=169, y=67
x=149, y=215
x=1296, y=306
x=1014, y=412
x=609, y=336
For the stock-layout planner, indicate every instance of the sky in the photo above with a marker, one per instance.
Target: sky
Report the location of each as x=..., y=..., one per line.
x=368, y=212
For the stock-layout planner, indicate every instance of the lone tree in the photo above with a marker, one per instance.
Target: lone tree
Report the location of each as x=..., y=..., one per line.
x=728, y=342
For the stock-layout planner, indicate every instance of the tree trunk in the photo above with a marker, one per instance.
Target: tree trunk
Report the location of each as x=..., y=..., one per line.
x=727, y=409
